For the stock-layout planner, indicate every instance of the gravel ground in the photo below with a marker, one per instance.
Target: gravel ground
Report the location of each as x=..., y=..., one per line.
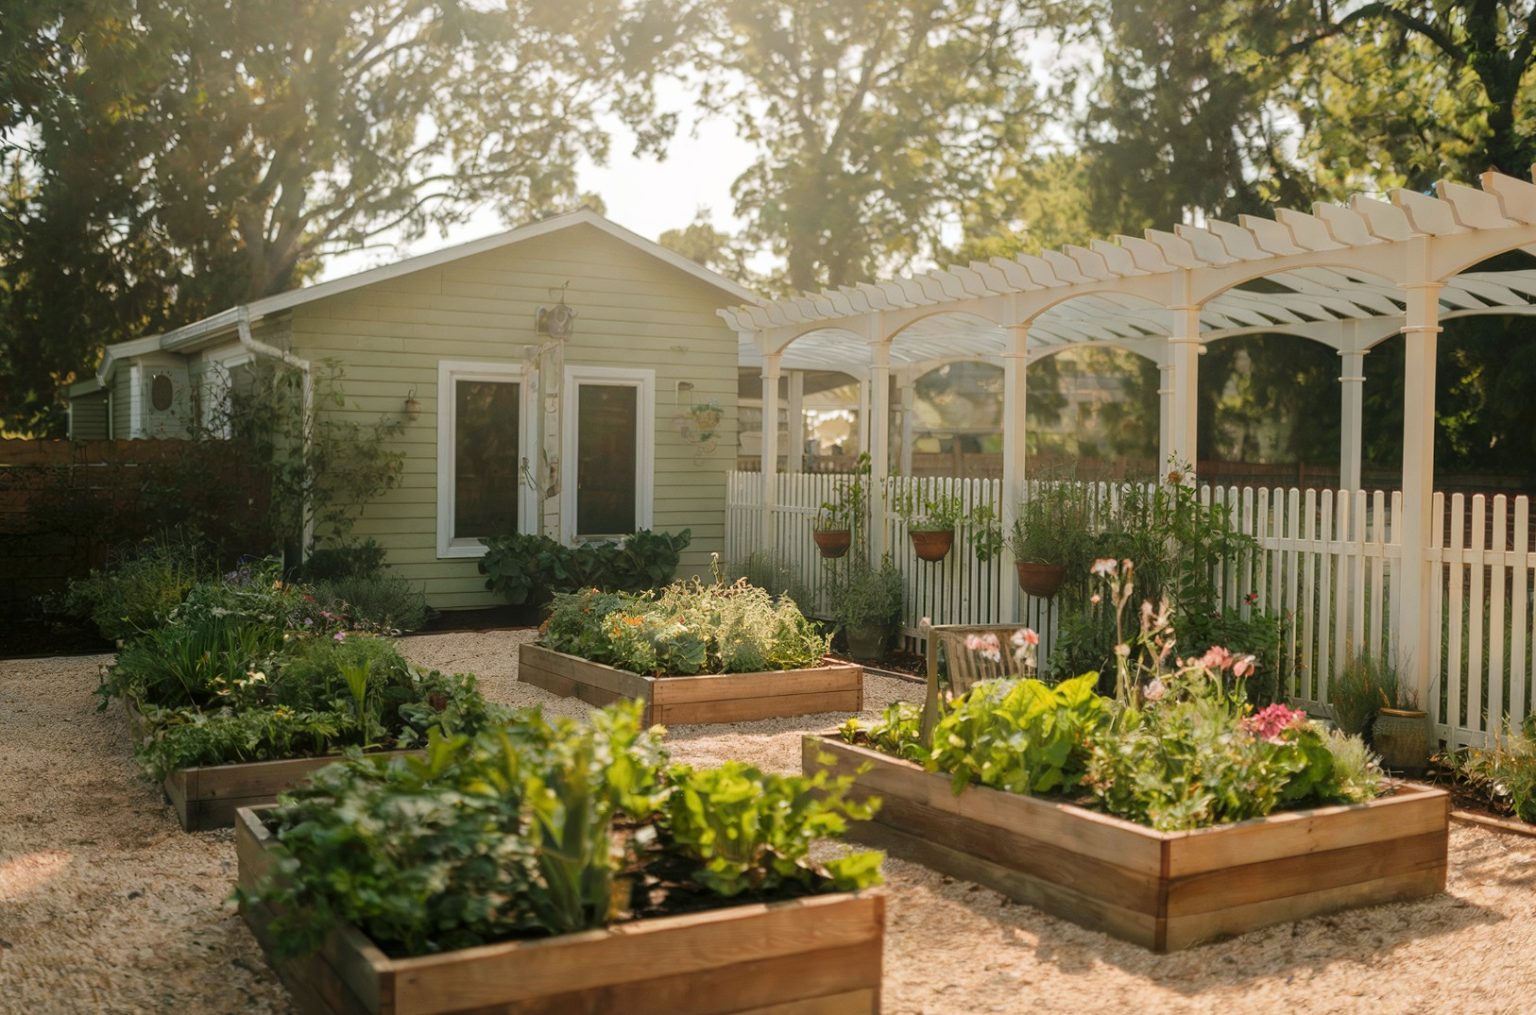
x=106, y=906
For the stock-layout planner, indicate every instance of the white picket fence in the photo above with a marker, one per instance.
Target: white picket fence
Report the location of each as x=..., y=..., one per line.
x=1327, y=564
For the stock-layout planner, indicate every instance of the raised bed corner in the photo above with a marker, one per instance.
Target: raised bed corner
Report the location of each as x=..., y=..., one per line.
x=1162, y=890
x=815, y=956
x=712, y=698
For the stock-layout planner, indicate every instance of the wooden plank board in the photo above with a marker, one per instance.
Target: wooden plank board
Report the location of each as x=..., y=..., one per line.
x=208, y=797
x=710, y=698
x=1162, y=890
x=810, y=956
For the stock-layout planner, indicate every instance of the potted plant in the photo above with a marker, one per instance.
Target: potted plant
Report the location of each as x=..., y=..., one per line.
x=867, y=606
x=1400, y=733
x=931, y=522
x=837, y=519
x=1051, y=531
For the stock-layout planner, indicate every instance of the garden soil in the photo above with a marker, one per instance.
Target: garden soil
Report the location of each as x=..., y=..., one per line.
x=107, y=906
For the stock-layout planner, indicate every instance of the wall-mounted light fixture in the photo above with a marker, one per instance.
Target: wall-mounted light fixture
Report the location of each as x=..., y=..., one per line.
x=558, y=320
x=412, y=407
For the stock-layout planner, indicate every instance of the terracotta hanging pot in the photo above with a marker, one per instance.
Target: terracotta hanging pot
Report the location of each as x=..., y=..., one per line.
x=833, y=543
x=1041, y=580
x=932, y=544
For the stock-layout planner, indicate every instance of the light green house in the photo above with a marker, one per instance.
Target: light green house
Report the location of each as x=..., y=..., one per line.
x=551, y=378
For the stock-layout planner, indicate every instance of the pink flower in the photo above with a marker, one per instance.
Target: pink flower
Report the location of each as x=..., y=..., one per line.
x=1025, y=636
x=1270, y=723
x=1216, y=658
x=985, y=645
x=1104, y=566
x=1155, y=690
x=339, y=636
x=1243, y=667
x=1095, y=599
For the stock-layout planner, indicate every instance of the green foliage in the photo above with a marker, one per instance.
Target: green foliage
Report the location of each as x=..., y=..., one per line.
x=138, y=589
x=777, y=577
x=1054, y=526
x=525, y=568
x=1257, y=635
x=168, y=176
x=849, y=509
x=861, y=594
x=1504, y=774
x=184, y=664
x=1359, y=690
x=897, y=732
x=347, y=561
x=382, y=603
x=941, y=512
x=752, y=831
x=686, y=628
x=1192, y=762
x=1019, y=735
x=538, y=827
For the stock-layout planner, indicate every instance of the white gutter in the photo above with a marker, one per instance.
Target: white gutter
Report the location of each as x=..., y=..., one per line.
x=251, y=344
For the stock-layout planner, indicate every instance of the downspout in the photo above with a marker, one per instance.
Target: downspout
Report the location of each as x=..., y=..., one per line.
x=250, y=343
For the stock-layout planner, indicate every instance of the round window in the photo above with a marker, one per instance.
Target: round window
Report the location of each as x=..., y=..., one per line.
x=161, y=392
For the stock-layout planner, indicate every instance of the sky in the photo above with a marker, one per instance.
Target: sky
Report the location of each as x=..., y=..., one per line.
x=643, y=195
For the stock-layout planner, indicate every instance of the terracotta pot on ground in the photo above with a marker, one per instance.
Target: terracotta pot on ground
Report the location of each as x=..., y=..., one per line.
x=833, y=542
x=1401, y=737
x=1041, y=579
x=866, y=642
x=932, y=544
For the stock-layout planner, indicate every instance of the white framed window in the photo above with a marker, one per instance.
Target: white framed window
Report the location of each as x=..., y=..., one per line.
x=484, y=428
x=608, y=462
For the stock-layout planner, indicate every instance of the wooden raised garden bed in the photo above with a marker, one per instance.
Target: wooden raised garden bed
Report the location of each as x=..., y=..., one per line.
x=207, y=797
x=1162, y=890
x=815, y=956
x=713, y=698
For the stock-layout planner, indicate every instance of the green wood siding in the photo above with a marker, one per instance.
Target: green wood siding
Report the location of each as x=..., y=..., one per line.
x=632, y=311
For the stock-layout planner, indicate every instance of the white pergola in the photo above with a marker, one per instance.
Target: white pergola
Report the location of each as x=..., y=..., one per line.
x=1347, y=276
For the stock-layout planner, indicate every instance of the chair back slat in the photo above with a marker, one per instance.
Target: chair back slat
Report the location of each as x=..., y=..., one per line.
x=953, y=669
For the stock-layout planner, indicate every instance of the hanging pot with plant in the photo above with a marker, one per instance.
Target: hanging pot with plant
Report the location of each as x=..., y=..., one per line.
x=931, y=544
x=931, y=522
x=836, y=519
x=833, y=543
x=1043, y=580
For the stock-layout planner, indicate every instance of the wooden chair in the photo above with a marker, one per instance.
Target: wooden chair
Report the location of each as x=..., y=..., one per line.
x=962, y=668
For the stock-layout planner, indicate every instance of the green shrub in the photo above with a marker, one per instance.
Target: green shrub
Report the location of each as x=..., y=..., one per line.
x=861, y=594
x=186, y=664
x=380, y=603
x=531, y=569
x=516, y=832
x=348, y=560
x=766, y=572
x=138, y=589
x=1503, y=775
x=685, y=629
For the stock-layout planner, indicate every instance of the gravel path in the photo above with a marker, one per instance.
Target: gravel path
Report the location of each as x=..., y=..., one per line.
x=106, y=906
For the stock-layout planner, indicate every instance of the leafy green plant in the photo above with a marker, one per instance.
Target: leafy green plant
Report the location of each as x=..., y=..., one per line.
x=381, y=603
x=1053, y=527
x=525, y=568
x=897, y=732
x=184, y=664
x=540, y=827
x=1503, y=774
x=849, y=510
x=862, y=595
x=139, y=587
x=346, y=560
x=751, y=831
x=936, y=512
x=776, y=576
x=686, y=628
x=1019, y=735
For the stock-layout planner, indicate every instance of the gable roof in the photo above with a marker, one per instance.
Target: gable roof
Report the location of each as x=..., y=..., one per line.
x=216, y=326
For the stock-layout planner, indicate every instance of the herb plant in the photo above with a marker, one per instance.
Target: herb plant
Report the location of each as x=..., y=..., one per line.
x=685, y=629
x=531, y=569
x=1502, y=774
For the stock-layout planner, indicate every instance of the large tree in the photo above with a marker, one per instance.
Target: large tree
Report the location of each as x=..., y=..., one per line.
x=875, y=120
x=172, y=157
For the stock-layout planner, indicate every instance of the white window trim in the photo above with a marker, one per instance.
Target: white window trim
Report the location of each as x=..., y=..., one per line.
x=644, y=381
x=136, y=427
x=448, y=373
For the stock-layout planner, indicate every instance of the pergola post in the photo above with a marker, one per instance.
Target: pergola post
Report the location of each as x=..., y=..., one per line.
x=864, y=424
x=794, y=455
x=1410, y=594
x=770, y=469
x=1014, y=447
x=1164, y=412
x=878, y=442
x=906, y=389
x=1351, y=416
x=1182, y=410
